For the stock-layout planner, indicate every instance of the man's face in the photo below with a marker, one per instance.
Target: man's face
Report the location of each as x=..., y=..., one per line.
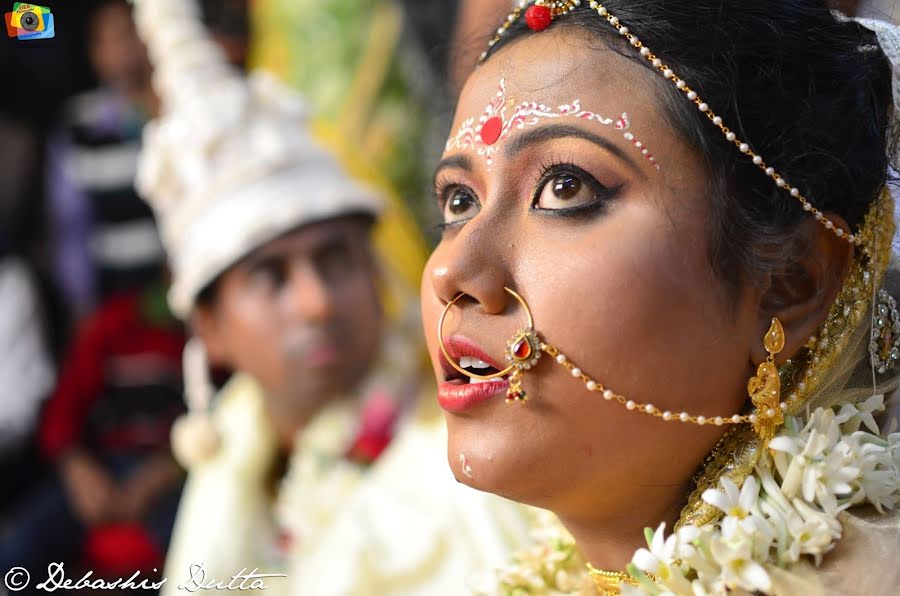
x=300, y=314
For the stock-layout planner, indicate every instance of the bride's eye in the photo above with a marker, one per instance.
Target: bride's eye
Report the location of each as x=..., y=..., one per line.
x=564, y=190
x=460, y=205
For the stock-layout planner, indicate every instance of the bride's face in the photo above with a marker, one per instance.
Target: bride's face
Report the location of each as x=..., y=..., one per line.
x=601, y=223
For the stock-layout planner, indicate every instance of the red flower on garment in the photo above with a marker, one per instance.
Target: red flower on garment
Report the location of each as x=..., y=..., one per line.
x=377, y=421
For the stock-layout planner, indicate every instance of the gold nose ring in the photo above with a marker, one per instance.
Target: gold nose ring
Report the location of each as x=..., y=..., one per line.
x=522, y=352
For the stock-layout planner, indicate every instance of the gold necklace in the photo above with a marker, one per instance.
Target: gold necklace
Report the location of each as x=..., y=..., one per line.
x=609, y=583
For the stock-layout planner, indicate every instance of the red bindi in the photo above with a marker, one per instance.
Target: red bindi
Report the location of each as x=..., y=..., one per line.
x=490, y=130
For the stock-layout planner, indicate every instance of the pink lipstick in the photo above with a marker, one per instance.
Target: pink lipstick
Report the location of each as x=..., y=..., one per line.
x=459, y=393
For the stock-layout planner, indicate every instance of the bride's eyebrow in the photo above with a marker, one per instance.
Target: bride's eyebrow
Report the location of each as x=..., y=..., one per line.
x=561, y=131
x=458, y=161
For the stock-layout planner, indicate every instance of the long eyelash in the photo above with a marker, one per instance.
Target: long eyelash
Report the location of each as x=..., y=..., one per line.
x=440, y=192
x=547, y=167
x=443, y=187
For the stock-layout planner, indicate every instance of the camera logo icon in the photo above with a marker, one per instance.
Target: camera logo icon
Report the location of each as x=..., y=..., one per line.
x=30, y=21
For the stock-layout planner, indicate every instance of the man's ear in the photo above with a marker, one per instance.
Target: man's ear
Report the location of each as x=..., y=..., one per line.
x=802, y=294
x=205, y=325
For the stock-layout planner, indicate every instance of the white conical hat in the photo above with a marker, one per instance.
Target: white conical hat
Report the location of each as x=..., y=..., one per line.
x=230, y=164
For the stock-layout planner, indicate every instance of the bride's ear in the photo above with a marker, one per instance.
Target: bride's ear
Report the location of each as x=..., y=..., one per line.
x=801, y=294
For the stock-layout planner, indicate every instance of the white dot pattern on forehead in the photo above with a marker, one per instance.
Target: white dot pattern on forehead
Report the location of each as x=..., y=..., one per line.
x=493, y=126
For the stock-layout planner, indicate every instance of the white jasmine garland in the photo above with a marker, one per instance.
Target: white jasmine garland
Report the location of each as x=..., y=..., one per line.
x=553, y=566
x=786, y=510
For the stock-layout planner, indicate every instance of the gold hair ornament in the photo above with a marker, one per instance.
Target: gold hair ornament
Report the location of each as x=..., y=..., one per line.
x=523, y=352
x=541, y=13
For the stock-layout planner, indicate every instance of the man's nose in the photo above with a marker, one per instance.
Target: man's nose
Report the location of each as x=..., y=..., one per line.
x=308, y=295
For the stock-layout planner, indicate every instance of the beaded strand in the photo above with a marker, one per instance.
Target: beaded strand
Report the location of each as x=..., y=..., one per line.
x=649, y=409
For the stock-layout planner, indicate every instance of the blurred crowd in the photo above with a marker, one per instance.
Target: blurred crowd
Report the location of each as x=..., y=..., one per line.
x=92, y=367
x=92, y=380
x=91, y=375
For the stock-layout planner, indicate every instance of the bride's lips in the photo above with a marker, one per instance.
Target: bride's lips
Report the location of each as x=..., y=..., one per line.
x=457, y=394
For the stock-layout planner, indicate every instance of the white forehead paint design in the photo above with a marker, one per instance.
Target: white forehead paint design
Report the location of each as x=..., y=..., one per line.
x=493, y=125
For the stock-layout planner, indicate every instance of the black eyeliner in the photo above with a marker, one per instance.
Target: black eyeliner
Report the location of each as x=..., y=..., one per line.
x=586, y=211
x=444, y=226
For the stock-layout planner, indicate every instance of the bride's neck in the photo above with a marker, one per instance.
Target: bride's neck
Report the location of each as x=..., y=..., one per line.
x=610, y=542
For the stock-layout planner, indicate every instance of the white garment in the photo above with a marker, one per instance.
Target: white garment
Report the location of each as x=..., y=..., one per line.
x=412, y=529
x=224, y=521
x=406, y=527
x=26, y=373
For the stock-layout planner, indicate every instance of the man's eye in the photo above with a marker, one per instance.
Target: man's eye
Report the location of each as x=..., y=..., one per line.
x=270, y=275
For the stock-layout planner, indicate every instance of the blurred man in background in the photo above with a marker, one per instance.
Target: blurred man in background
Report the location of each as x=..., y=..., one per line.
x=279, y=263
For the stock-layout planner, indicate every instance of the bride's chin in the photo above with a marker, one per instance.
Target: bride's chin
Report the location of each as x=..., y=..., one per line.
x=495, y=458
x=480, y=472
x=464, y=464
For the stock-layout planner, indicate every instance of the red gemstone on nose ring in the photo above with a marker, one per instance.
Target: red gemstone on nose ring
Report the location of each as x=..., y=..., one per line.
x=538, y=17
x=522, y=350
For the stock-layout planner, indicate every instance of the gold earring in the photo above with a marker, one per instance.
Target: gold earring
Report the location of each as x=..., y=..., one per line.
x=522, y=352
x=765, y=387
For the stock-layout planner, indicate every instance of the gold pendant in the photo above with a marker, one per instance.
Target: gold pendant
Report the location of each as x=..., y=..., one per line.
x=765, y=387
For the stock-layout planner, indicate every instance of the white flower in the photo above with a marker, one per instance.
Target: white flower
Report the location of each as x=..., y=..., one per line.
x=816, y=462
x=700, y=558
x=814, y=532
x=830, y=477
x=661, y=553
x=739, y=569
x=319, y=481
x=852, y=415
x=742, y=515
x=660, y=560
x=733, y=502
x=779, y=513
x=877, y=481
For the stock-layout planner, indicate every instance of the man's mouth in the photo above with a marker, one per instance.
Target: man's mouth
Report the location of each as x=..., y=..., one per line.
x=316, y=353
